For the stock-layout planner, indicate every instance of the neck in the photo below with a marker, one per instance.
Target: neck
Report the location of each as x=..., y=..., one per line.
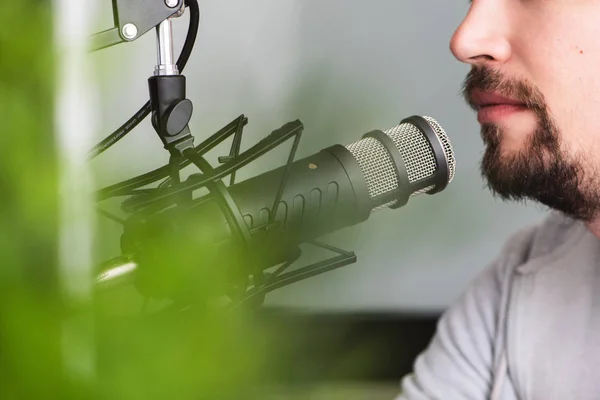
x=594, y=226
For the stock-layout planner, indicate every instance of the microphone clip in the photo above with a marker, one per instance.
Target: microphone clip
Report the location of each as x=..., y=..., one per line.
x=171, y=112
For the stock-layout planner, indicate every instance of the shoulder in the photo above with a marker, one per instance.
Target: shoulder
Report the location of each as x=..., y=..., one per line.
x=531, y=247
x=545, y=239
x=464, y=355
x=534, y=242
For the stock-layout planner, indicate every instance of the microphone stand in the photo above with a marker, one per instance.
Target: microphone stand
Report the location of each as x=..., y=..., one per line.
x=171, y=112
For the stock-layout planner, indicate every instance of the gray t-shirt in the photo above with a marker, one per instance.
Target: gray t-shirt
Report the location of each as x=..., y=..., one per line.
x=527, y=328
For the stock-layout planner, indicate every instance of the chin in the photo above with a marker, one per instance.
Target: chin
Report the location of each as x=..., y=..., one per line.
x=506, y=141
x=513, y=145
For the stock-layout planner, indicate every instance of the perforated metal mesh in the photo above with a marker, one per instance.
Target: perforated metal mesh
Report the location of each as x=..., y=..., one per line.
x=419, y=158
x=448, y=151
x=375, y=164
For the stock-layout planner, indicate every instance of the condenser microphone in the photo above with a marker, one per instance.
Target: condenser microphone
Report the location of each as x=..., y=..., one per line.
x=337, y=187
x=341, y=185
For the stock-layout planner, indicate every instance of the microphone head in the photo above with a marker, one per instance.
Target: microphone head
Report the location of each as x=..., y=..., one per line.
x=414, y=157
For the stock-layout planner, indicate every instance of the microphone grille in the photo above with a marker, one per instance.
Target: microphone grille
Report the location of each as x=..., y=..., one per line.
x=414, y=146
x=448, y=150
x=376, y=164
x=416, y=151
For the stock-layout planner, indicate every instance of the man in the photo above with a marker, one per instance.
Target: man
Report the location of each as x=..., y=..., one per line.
x=528, y=327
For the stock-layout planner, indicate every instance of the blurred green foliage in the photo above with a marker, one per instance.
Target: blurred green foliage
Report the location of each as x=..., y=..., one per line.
x=202, y=353
x=30, y=312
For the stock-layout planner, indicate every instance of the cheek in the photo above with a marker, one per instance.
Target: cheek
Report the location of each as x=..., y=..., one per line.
x=572, y=96
x=568, y=75
x=560, y=54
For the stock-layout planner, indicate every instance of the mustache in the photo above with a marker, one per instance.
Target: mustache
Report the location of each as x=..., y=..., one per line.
x=487, y=79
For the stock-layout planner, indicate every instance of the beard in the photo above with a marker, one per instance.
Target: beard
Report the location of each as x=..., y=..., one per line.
x=542, y=171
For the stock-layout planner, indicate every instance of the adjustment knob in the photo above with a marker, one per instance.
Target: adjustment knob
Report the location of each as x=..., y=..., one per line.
x=178, y=117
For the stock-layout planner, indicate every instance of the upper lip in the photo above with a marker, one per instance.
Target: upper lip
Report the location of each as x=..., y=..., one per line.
x=482, y=99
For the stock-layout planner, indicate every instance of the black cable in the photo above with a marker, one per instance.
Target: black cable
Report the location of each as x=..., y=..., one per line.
x=143, y=112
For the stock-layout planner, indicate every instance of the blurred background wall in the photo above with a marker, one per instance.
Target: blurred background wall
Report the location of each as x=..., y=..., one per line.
x=343, y=67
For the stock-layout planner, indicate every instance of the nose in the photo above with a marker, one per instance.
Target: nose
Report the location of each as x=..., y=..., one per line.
x=482, y=37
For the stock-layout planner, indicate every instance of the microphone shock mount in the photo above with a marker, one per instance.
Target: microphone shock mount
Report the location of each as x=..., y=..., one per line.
x=171, y=112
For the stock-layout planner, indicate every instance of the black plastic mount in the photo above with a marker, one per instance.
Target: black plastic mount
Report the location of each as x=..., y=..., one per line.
x=255, y=296
x=171, y=112
x=142, y=14
x=243, y=293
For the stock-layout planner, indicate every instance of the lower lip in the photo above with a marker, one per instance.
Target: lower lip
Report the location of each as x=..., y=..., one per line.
x=490, y=114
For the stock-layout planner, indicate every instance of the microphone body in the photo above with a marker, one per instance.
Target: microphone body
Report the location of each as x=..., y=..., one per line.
x=335, y=188
x=324, y=192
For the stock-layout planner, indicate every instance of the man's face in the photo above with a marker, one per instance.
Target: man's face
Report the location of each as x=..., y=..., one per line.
x=535, y=82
